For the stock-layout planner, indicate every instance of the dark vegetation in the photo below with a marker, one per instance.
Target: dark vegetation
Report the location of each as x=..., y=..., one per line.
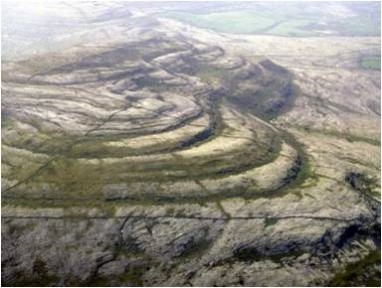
x=363, y=183
x=283, y=19
x=360, y=273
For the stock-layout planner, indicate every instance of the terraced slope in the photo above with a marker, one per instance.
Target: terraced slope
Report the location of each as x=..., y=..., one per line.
x=157, y=160
x=90, y=132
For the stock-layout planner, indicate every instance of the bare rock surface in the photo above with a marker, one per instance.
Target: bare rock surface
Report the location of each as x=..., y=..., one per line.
x=141, y=151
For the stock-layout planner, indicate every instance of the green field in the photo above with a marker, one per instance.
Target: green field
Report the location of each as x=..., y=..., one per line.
x=230, y=22
x=281, y=22
x=371, y=62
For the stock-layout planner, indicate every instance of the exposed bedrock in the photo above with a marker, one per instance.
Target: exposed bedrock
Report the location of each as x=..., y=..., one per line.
x=154, y=162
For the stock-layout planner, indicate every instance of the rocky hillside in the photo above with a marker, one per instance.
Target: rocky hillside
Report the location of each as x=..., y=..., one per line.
x=157, y=159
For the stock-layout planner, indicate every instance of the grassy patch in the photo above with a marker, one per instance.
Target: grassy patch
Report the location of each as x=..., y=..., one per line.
x=363, y=183
x=274, y=22
x=339, y=134
x=287, y=19
x=270, y=222
x=41, y=277
x=243, y=22
x=360, y=273
x=371, y=62
x=357, y=26
x=251, y=254
x=68, y=183
x=222, y=210
x=131, y=278
x=210, y=74
x=294, y=27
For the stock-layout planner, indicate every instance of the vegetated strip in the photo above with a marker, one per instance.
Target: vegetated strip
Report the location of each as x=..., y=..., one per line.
x=226, y=218
x=300, y=171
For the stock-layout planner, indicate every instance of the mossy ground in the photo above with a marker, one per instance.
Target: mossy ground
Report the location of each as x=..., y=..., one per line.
x=358, y=273
x=371, y=62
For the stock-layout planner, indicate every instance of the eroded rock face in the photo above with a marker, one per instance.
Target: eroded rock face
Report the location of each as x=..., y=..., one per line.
x=158, y=159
